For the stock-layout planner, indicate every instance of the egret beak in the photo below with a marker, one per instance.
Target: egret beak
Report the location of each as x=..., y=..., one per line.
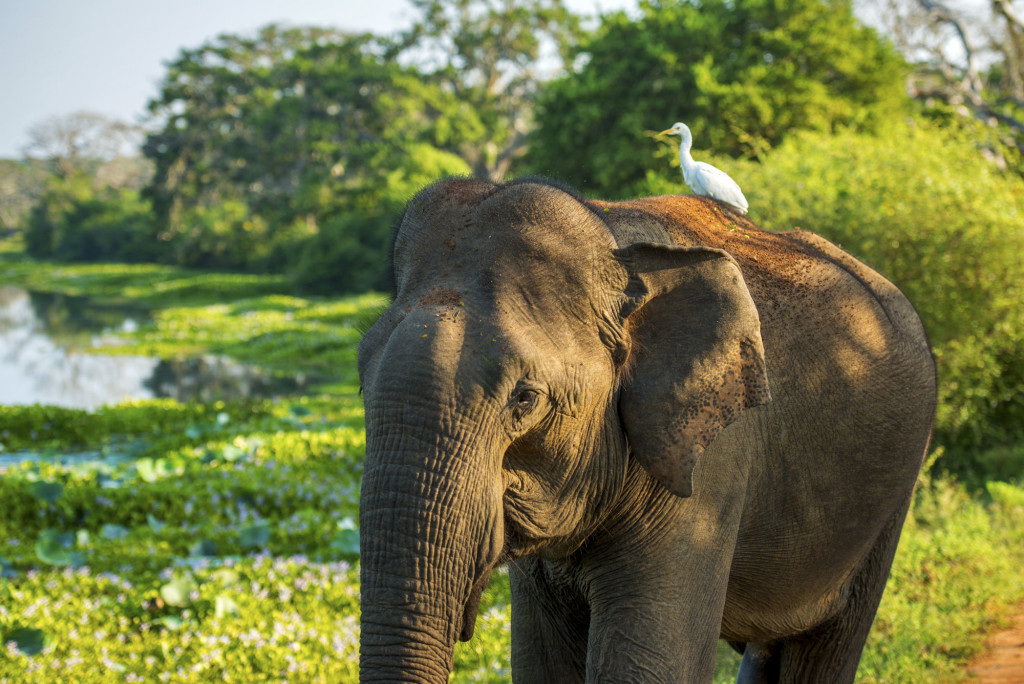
x=665, y=132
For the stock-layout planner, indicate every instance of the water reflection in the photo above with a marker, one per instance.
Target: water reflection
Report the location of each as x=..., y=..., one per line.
x=38, y=362
x=208, y=378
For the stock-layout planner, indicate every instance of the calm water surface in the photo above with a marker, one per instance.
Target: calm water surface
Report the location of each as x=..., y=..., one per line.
x=40, y=335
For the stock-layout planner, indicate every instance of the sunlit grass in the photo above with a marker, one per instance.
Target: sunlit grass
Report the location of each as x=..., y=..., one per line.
x=150, y=284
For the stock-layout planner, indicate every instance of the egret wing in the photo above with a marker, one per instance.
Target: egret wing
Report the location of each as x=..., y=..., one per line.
x=715, y=183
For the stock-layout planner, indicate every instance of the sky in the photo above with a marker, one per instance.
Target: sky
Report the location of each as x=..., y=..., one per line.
x=108, y=56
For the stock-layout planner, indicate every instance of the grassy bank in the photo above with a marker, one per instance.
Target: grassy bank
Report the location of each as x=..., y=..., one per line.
x=219, y=541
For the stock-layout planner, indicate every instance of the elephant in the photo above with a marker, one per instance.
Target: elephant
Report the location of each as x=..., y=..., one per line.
x=671, y=426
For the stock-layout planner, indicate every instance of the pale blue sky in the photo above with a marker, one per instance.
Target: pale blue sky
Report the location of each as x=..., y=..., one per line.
x=62, y=56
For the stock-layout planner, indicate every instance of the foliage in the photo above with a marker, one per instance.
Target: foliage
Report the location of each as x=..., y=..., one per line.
x=743, y=74
x=75, y=221
x=268, y=139
x=351, y=252
x=54, y=427
x=494, y=56
x=144, y=285
x=21, y=183
x=952, y=578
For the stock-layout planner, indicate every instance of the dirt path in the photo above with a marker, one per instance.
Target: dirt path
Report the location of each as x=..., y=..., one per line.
x=1003, y=659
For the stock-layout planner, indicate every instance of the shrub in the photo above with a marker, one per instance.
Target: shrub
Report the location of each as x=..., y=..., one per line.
x=73, y=221
x=349, y=254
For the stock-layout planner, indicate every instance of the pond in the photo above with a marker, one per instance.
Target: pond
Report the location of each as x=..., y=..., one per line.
x=41, y=336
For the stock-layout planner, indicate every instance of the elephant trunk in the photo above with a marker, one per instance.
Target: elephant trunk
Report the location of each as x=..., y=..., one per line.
x=430, y=534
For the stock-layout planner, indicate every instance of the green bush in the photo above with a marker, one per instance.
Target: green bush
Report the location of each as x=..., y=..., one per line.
x=349, y=254
x=229, y=235
x=73, y=221
x=956, y=574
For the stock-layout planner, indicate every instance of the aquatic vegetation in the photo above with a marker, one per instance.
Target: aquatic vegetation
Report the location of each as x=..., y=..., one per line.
x=161, y=541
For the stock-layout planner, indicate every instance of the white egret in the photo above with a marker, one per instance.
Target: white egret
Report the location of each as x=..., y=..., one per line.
x=705, y=179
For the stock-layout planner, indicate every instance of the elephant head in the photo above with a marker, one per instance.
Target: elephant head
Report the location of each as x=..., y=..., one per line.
x=526, y=363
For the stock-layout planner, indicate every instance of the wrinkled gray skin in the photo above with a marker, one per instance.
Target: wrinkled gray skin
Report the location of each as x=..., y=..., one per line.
x=672, y=425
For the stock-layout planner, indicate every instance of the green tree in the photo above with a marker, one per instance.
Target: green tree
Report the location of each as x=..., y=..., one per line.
x=80, y=142
x=213, y=109
x=742, y=73
x=350, y=251
x=493, y=56
x=85, y=149
x=75, y=219
x=292, y=128
x=21, y=184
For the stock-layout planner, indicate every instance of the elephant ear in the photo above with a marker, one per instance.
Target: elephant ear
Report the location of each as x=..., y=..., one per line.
x=696, y=358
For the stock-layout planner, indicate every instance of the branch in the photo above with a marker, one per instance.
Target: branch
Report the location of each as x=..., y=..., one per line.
x=515, y=148
x=1011, y=100
x=1006, y=9
x=978, y=107
x=942, y=14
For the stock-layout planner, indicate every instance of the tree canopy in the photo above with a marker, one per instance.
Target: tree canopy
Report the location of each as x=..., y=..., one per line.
x=294, y=127
x=494, y=56
x=741, y=73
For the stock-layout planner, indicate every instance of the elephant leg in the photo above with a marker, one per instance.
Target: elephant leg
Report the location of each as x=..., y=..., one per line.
x=831, y=652
x=760, y=664
x=550, y=624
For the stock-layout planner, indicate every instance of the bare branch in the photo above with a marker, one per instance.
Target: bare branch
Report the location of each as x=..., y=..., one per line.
x=942, y=14
x=1004, y=8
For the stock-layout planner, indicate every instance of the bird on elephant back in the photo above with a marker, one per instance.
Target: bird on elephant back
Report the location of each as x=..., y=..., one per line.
x=674, y=427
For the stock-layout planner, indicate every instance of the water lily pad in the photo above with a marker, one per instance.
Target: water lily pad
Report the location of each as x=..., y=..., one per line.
x=346, y=538
x=27, y=640
x=203, y=547
x=52, y=547
x=225, y=576
x=178, y=592
x=114, y=532
x=254, y=536
x=46, y=491
x=171, y=622
x=232, y=453
x=146, y=468
x=155, y=524
x=224, y=606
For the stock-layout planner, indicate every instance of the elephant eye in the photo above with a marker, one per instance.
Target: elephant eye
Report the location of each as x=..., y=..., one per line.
x=523, y=408
x=526, y=399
